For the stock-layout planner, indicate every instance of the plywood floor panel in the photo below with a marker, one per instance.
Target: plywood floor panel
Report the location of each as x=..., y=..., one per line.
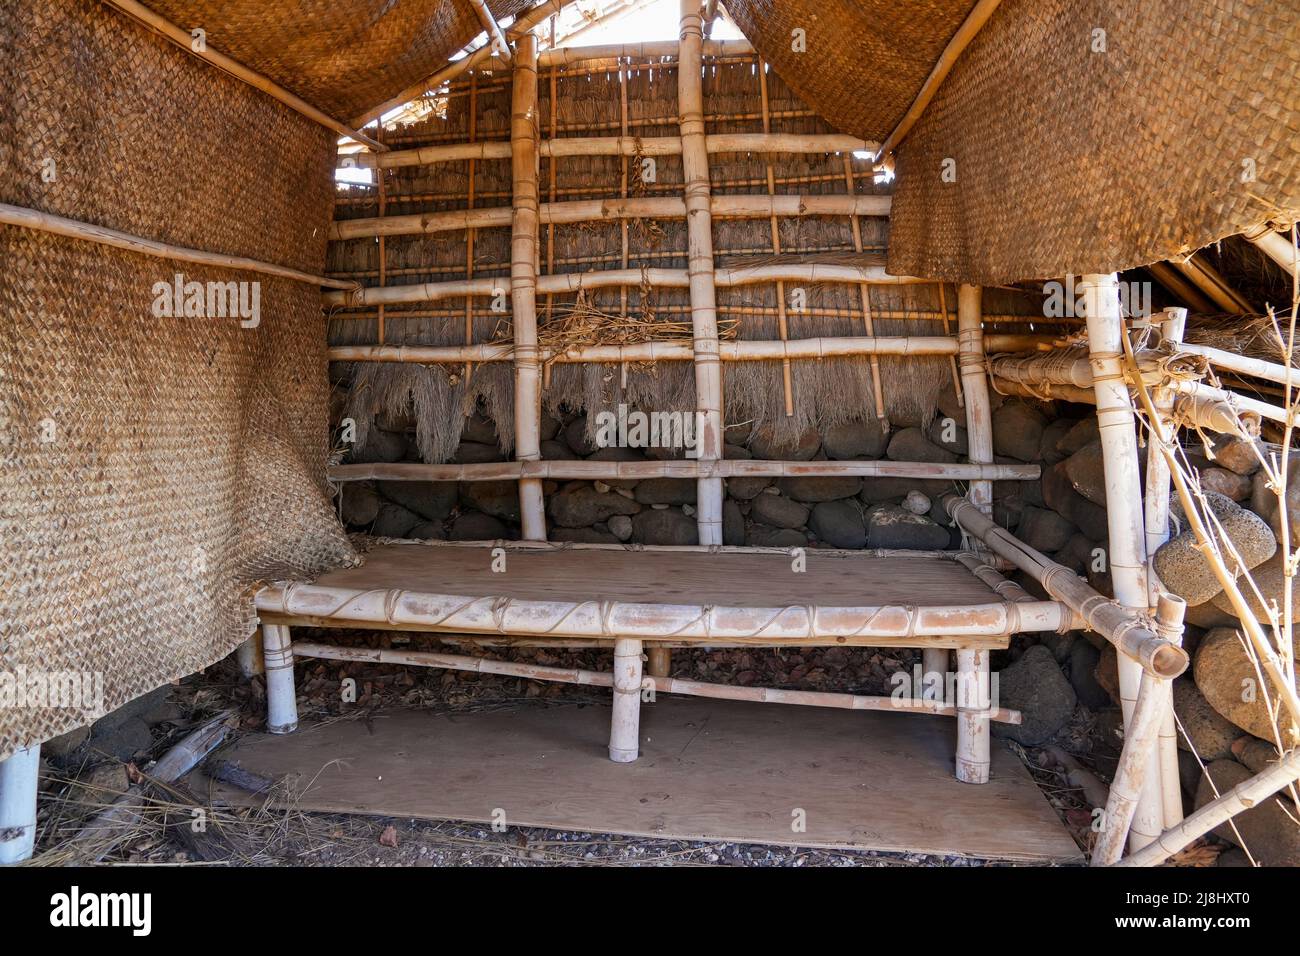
x=709, y=770
x=669, y=577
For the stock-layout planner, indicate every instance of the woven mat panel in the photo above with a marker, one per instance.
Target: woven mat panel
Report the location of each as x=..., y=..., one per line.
x=1070, y=160
x=151, y=468
x=864, y=61
x=342, y=57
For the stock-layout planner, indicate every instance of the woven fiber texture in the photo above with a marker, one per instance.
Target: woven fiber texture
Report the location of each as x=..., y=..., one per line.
x=1071, y=156
x=151, y=469
x=342, y=57
x=864, y=60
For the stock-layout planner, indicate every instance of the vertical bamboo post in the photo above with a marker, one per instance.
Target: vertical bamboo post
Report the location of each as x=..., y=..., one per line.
x=19, y=773
x=782, y=325
x=952, y=362
x=868, y=323
x=1157, y=530
x=704, y=312
x=979, y=408
x=471, y=233
x=625, y=721
x=249, y=657
x=381, y=176
x=934, y=660
x=973, y=703
x=281, y=697
x=1126, y=551
x=659, y=661
x=523, y=282
x=1138, y=765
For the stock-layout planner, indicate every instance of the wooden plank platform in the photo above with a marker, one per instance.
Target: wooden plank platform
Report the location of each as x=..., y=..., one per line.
x=709, y=770
x=754, y=579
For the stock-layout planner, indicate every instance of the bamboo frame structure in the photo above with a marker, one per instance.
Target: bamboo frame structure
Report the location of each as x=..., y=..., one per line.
x=699, y=209
x=523, y=284
x=146, y=17
x=1126, y=548
x=595, y=210
x=11, y=215
x=1127, y=629
x=973, y=734
x=1245, y=795
x=19, y=773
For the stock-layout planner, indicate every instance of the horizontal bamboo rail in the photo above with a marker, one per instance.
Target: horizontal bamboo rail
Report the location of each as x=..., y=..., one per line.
x=665, y=685
x=669, y=351
x=75, y=229
x=682, y=468
x=143, y=15
x=613, y=278
x=1270, y=371
x=613, y=146
x=1277, y=246
x=1212, y=285
x=594, y=210
x=1131, y=633
x=1045, y=368
x=1242, y=403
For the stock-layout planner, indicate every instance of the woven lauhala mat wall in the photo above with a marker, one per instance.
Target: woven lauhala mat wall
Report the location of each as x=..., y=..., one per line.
x=151, y=468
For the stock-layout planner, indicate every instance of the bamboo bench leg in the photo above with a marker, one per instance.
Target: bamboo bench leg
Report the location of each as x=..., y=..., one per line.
x=281, y=698
x=972, y=716
x=249, y=656
x=18, y=774
x=934, y=660
x=625, y=724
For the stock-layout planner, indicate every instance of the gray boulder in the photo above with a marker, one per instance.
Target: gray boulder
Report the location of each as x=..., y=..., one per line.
x=579, y=506
x=854, y=441
x=393, y=521
x=1044, y=529
x=891, y=527
x=1018, y=431
x=360, y=503
x=1086, y=471
x=1228, y=680
x=1268, y=829
x=666, y=491
x=766, y=444
x=733, y=524
x=1034, y=685
x=778, y=511
x=500, y=499
x=910, y=444
x=839, y=524
x=1211, y=734
x=664, y=526
x=475, y=526
x=1184, y=570
x=813, y=489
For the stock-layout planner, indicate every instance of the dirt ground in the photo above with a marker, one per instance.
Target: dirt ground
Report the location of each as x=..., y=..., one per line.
x=82, y=779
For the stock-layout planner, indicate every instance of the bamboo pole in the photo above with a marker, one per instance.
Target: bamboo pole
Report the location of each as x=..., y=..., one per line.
x=143, y=15
x=74, y=229
x=249, y=657
x=523, y=284
x=660, y=683
x=1126, y=550
x=934, y=669
x=1209, y=394
x=913, y=626
x=590, y=469
x=967, y=32
x=1126, y=628
x=1245, y=795
x=1244, y=364
x=659, y=351
x=472, y=234
x=594, y=210
x=1212, y=285
x=500, y=44
x=281, y=697
x=19, y=775
x=1278, y=246
x=522, y=25
x=704, y=317
x=1156, y=520
x=625, y=719
x=864, y=290
x=973, y=705
x=782, y=327
x=659, y=278
x=1131, y=788
x=979, y=407
x=623, y=145
x=1177, y=283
